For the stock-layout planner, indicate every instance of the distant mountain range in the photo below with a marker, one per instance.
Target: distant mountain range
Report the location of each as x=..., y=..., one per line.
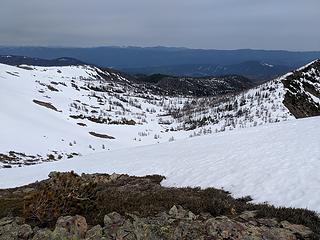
x=157, y=83
x=22, y=60
x=255, y=64
x=254, y=70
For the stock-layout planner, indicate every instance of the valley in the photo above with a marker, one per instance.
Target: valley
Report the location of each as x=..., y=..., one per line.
x=78, y=110
x=256, y=144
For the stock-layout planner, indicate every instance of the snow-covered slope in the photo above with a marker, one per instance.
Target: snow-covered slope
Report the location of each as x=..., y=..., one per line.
x=294, y=95
x=278, y=163
x=53, y=113
x=50, y=113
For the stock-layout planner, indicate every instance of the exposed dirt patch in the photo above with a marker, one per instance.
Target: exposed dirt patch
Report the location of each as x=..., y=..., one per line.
x=53, y=89
x=46, y=104
x=99, y=135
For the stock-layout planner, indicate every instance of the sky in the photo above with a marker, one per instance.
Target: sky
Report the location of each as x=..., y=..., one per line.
x=208, y=24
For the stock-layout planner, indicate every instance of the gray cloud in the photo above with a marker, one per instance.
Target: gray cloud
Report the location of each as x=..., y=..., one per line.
x=220, y=24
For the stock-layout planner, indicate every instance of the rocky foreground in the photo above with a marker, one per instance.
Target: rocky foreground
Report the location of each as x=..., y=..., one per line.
x=101, y=206
x=178, y=223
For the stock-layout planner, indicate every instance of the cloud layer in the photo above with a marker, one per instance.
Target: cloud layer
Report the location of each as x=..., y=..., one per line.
x=219, y=24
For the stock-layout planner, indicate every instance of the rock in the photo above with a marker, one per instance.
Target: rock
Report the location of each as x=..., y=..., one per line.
x=53, y=174
x=179, y=213
x=114, y=176
x=112, y=223
x=117, y=227
x=142, y=230
x=43, y=234
x=28, y=190
x=188, y=230
x=191, y=216
x=224, y=227
x=6, y=221
x=25, y=231
x=271, y=222
x=9, y=231
x=71, y=227
x=112, y=219
x=178, y=224
x=247, y=215
x=19, y=220
x=94, y=233
x=126, y=231
x=297, y=229
x=14, y=228
x=174, y=211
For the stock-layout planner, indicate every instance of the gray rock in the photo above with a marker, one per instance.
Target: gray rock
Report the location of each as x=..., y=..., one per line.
x=297, y=229
x=43, y=234
x=94, y=233
x=178, y=224
x=14, y=228
x=188, y=230
x=126, y=231
x=25, y=231
x=113, y=218
x=224, y=227
x=268, y=222
x=6, y=221
x=247, y=215
x=71, y=227
x=112, y=224
x=179, y=213
x=9, y=231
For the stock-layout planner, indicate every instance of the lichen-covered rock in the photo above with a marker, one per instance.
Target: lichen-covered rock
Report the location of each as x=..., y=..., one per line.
x=176, y=224
x=113, y=219
x=181, y=224
x=299, y=229
x=71, y=227
x=188, y=230
x=247, y=215
x=43, y=234
x=95, y=233
x=14, y=228
x=117, y=227
x=224, y=227
x=9, y=231
x=179, y=213
x=25, y=231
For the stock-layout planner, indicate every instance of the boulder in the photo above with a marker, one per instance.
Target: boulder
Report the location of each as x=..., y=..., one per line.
x=14, y=229
x=179, y=213
x=43, y=234
x=94, y=233
x=71, y=227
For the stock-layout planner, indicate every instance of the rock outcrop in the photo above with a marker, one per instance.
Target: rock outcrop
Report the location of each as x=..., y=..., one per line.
x=178, y=223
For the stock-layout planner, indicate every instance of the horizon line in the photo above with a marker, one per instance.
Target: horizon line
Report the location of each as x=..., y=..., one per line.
x=154, y=47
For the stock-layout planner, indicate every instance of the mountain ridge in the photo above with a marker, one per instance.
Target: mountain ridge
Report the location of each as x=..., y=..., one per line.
x=137, y=57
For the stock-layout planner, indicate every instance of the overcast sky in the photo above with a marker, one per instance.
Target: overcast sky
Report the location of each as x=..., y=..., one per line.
x=214, y=24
